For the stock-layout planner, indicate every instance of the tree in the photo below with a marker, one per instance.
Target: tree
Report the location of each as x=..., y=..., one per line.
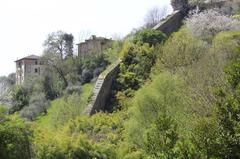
x=59, y=43
x=181, y=50
x=162, y=137
x=210, y=22
x=161, y=101
x=135, y=68
x=20, y=98
x=205, y=138
x=154, y=16
x=150, y=36
x=6, y=85
x=14, y=139
x=228, y=112
x=58, y=47
x=68, y=45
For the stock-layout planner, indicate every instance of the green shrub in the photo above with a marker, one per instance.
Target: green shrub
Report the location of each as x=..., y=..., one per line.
x=163, y=96
x=38, y=104
x=150, y=36
x=181, y=50
x=14, y=139
x=20, y=98
x=135, y=68
x=161, y=138
x=205, y=138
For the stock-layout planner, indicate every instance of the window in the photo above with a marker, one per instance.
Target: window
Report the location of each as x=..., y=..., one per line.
x=19, y=64
x=36, y=62
x=36, y=70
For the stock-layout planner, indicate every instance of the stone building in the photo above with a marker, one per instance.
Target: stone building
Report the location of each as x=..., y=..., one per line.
x=27, y=67
x=93, y=46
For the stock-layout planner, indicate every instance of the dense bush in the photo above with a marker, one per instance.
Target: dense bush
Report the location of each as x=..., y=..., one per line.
x=73, y=89
x=161, y=138
x=71, y=106
x=228, y=110
x=30, y=99
x=87, y=75
x=150, y=36
x=185, y=106
x=50, y=87
x=20, y=98
x=6, y=87
x=181, y=50
x=38, y=104
x=162, y=98
x=14, y=139
x=83, y=137
x=135, y=67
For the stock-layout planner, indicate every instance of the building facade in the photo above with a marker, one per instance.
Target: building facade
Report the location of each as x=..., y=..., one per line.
x=27, y=67
x=93, y=46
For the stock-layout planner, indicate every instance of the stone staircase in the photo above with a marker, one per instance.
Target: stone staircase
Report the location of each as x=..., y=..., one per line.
x=96, y=89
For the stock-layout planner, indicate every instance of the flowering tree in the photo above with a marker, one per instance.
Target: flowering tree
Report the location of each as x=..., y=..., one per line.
x=210, y=22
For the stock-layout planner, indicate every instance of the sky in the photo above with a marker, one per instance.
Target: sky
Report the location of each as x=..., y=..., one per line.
x=25, y=24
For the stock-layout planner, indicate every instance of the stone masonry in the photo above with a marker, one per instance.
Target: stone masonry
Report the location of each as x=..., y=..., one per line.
x=93, y=46
x=102, y=89
x=27, y=67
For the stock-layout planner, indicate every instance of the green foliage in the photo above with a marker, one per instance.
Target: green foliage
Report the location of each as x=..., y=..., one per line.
x=205, y=138
x=228, y=116
x=37, y=105
x=228, y=110
x=83, y=137
x=162, y=96
x=171, y=111
x=29, y=99
x=150, y=36
x=14, y=139
x=59, y=43
x=20, y=98
x=113, y=53
x=135, y=68
x=63, y=109
x=161, y=138
x=233, y=73
x=49, y=87
x=181, y=50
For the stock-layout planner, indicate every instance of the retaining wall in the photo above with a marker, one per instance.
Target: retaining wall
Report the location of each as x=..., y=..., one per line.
x=171, y=23
x=102, y=89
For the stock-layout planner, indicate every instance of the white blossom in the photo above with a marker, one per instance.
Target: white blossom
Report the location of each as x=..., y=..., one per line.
x=210, y=22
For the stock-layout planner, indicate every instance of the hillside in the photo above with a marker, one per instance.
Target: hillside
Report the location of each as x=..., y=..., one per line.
x=176, y=95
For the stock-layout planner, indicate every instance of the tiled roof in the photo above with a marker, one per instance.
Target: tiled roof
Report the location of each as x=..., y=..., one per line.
x=32, y=57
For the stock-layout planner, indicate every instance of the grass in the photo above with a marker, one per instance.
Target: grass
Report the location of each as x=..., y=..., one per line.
x=45, y=121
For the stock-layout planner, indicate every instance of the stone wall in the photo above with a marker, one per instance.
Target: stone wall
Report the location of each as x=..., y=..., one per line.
x=171, y=23
x=102, y=89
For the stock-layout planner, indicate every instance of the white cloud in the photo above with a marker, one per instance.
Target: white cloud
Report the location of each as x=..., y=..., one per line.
x=25, y=24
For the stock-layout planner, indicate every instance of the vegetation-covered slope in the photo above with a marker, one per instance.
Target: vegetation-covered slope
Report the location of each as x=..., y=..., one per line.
x=174, y=97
